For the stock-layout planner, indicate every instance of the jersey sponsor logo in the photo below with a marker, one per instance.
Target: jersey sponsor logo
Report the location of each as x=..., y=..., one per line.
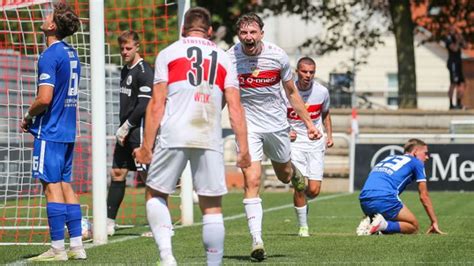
x=145, y=89
x=126, y=91
x=259, y=79
x=314, y=112
x=70, y=102
x=129, y=80
x=44, y=76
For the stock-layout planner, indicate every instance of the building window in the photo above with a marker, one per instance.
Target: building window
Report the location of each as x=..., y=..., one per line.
x=392, y=89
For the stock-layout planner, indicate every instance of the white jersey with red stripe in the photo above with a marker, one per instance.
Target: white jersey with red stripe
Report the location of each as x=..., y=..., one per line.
x=259, y=79
x=316, y=101
x=197, y=72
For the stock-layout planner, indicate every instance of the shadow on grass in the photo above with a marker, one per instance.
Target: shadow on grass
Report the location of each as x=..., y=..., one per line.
x=247, y=257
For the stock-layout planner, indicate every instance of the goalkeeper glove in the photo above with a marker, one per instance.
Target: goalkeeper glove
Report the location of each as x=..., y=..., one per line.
x=122, y=132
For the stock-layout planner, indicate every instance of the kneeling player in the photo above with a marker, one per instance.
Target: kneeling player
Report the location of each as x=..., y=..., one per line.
x=379, y=197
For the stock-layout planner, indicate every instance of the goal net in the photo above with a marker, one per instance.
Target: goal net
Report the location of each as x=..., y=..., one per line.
x=23, y=217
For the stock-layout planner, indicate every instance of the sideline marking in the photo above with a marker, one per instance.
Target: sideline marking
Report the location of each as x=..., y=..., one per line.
x=229, y=218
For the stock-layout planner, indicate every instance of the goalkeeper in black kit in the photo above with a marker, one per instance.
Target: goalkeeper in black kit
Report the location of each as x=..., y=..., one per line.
x=136, y=83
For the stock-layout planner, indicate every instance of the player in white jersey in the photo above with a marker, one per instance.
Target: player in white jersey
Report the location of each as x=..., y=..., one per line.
x=306, y=154
x=261, y=66
x=192, y=76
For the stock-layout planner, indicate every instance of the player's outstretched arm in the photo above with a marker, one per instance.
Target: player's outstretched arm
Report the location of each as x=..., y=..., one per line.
x=154, y=114
x=298, y=104
x=428, y=205
x=239, y=125
x=328, y=126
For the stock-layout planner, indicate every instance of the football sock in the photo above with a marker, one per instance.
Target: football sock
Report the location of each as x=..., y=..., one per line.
x=56, y=219
x=73, y=222
x=213, y=233
x=115, y=197
x=159, y=219
x=301, y=214
x=392, y=227
x=254, y=212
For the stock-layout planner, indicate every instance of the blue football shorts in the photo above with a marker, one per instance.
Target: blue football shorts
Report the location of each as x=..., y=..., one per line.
x=52, y=161
x=388, y=206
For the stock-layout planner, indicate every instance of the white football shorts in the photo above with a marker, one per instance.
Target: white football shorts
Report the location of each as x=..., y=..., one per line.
x=207, y=169
x=310, y=163
x=275, y=145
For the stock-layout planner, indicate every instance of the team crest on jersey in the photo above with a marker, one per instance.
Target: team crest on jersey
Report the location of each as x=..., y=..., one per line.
x=44, y=76
x=129, y=80
x=255, y=71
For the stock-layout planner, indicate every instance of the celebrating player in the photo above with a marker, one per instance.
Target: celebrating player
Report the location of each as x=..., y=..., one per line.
x=136, y=82
x=261, y=66
x=191, y=77
x=306, y=154
x=51, y=119
x=379, y=198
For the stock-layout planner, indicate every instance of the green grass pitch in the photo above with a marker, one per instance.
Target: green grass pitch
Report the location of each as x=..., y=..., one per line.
x=332, y=219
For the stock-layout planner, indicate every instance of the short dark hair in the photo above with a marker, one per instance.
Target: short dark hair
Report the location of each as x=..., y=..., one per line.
x=67, y=22
x=249, y=18
x=196, y=19
x=127, y=35
x=412, y=143
x=305, y=60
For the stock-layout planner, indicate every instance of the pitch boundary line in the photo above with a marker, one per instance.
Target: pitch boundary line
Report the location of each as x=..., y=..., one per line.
x=228, y=218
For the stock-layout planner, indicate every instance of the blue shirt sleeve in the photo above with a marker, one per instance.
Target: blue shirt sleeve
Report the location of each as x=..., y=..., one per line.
x=419, y=171
x=47, y=64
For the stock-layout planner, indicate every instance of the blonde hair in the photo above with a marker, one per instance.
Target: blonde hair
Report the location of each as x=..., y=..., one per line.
x=411, y=144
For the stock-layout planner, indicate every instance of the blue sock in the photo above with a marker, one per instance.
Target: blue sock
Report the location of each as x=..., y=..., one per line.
x=56, y=219
x=73, y=220
x=392, y=227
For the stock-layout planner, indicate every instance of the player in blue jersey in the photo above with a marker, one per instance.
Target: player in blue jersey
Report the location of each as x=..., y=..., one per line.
x=379, y=198
x=51, y=119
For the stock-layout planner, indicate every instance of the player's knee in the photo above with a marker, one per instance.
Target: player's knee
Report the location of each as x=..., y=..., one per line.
x=252, y=183
x=312, y=193
x=284, y=174
x=117, y=175
x=416, y=226
x=413, y=228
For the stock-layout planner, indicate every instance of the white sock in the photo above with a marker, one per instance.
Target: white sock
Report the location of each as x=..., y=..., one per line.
x=58, y=244
x=254, y=211
x=301, y=214
x=213, y=233
x=159, y=219
x=75, y=241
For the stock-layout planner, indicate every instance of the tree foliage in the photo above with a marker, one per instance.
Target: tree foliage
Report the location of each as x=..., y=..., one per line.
x=361, y=24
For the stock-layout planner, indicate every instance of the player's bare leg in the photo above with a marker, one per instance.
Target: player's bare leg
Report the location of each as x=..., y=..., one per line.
x=253, y=208
x=287, y=172
x=159, y=219
x=213, y=231
x=407, y=220
x=301, y=207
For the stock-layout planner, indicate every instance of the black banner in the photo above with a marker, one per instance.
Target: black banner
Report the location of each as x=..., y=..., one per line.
x=450, y=167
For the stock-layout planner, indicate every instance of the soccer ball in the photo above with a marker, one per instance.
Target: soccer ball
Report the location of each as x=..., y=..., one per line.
x=86, y=226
